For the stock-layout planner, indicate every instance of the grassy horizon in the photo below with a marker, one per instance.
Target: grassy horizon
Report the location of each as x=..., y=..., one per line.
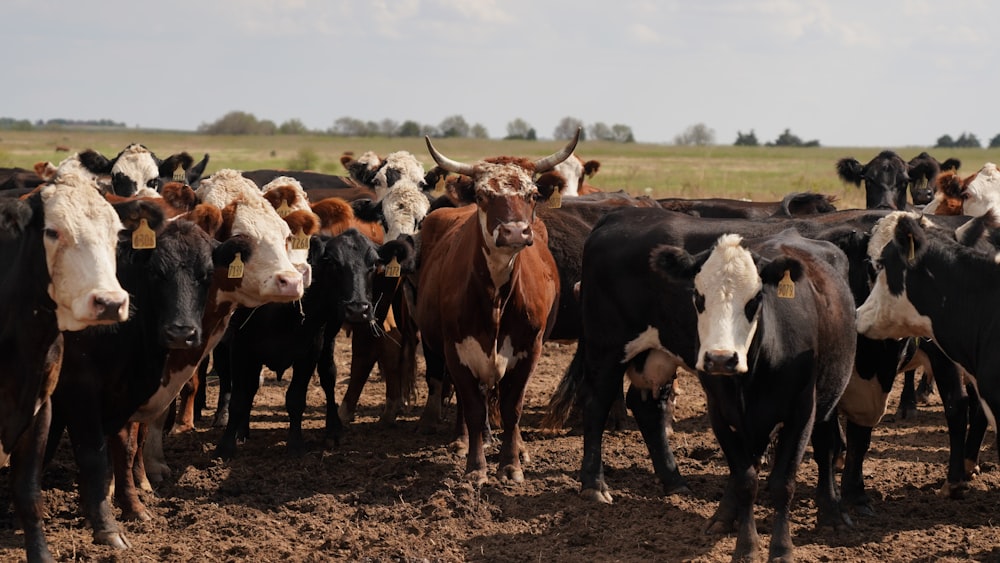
x=757, y=173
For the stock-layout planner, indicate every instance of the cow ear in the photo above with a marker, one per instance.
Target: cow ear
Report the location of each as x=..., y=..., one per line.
x=193, y=174
x=169, y=165
x=402, y=251
x=433, y=177
x=550, y=183
x=132, y=212
x=675, y=264
x=591, y=167
x=45, y=170
x=303, y=220
x=910, y=240
x=14, y=217
x=773, y=271
x=462, y=189
x=208, y=217
x=850, y=170
x=225, y=253
x=95, y=162
x=317, y=246
x=367, y=210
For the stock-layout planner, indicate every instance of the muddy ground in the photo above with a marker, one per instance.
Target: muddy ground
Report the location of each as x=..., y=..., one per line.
x=393, y=494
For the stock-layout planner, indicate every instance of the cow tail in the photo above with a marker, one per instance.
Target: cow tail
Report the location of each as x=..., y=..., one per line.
x=566, y=394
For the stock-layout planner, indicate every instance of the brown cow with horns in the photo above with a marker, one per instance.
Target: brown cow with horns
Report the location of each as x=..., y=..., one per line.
x=486, y=295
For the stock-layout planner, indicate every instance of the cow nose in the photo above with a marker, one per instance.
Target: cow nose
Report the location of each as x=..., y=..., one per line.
x=720, y=362
x=289, y=283
x=358, y=311
x=110, y=306
x=515, y=234
x=182, y=336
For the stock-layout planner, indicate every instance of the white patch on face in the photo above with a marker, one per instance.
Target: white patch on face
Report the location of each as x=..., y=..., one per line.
x=727, y=280
x=404, y=207
x=509, y=179
x=71, y=166
x=224, y=187
x=409, y=168
x=983, y=191
x=137, y=163
x=572, y=170
x=82, y=260
x=884, y=315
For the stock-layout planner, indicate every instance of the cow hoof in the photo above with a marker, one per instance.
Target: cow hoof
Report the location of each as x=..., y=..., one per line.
x=955, y=491
x=345, y=415
x=477, y=477
x=459, y=447
x=679, y=489
x=972, y=469
x=115, y=539
x=182, y=429
x=138, y=515
x=221, y=420
x=907, y=412
x=157, y=472
x=603, y=497
x=509, y=473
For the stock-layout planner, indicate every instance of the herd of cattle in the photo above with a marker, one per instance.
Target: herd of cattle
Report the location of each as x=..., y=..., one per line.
x=124, y=279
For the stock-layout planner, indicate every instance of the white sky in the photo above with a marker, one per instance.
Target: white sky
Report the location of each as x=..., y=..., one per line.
x=867, y=73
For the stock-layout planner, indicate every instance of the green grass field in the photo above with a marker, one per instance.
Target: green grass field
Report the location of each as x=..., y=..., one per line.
x=758, y=173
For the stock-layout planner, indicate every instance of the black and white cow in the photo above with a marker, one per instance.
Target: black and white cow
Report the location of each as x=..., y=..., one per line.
x=775, y=351
x=133, y=170
x=57, y=251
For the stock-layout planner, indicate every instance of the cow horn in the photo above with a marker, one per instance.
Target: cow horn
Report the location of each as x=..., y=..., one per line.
x=548, y=163
x=447, y=163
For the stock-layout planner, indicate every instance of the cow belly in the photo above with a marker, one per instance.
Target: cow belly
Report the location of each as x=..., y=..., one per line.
x=863, y=402
x=659, y=370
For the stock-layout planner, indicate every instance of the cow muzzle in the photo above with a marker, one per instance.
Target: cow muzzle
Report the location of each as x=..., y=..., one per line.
x=182, y=337
x=720, y=362
x=516, y=234
x=358, y=311
x=106, y=307
x=288, y=285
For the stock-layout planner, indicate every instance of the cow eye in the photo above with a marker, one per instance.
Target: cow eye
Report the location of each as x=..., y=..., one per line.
x=753, y=306
x=154, y=184
x=51, y=234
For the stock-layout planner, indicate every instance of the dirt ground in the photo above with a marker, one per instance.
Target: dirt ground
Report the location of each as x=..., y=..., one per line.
x=393, y=494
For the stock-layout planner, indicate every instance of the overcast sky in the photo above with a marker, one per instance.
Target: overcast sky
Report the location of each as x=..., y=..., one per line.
x=845, y=72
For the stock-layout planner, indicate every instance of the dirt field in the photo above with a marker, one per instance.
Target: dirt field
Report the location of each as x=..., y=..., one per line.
x=392, y=494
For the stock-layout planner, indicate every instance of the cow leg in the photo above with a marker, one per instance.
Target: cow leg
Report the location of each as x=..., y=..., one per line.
x=437, y=381
x=154, y=460
x=25, y=480
x=185, y=422
x=852, y=482
x=328, y=381
x=364, y=351
x=201, y=396
x=827, y=444
x=789, y=449
x=603, y=375
x=652, y=414
x=978, y=424
x=222, y=362
x=124, y=446
x=396, y=352
x=908, y=398
x=736, y=506
x=956, y=412
x=472, y=404
x=246, y=381
x=90, y=448
x=512, y=449
x=139, y=463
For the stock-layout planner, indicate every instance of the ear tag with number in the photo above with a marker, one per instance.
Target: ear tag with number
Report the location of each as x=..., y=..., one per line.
x=143, y=237
x=300, y=241
x=555, y=200
x=786, y=287
x=392, y=268
x=284, y=209
x=236, y=267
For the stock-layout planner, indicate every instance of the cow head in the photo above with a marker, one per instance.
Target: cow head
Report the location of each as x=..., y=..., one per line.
x=506, y=194
x=136, y=167
x=291, y=201
x=81, y=232
x=981, y=191
x=576, y=171
x=897, y=244
x=950, y=197
x=886, y=179
x=269, y=275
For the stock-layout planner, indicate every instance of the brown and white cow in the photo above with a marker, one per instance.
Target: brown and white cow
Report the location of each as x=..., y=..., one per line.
x=57, y=250
x=575, y=171
x=973, y=196
x=486, y=293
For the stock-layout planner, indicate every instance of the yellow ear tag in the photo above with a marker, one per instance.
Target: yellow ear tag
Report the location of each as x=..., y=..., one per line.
x=143, y=237
x=786, y=287
x=300, y=241
x=392, y=268
x=555, y=200
x=236, y=267
x=179, y=174
x=912, y=251
x=283, y=209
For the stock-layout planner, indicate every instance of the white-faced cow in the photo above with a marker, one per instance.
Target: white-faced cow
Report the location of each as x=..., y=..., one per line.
x=575, y=171
x=57, y=248
x=486, y=293
x=135, y=168
x=775, y=351
x=973, y=196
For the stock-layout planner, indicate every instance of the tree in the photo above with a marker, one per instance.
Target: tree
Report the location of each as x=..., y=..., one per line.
x=746, y=140
x=968, y=140
x=409, y=128
x=599, y=131
x=945, y=142
x=266, y=127
x=349, y=127
x=995, y=141
x=454, y=126
x=233, y=123
x=388, y=127
x=621, y=133
x=566, y=129
x=479, y=131
x=519, y=129
x=787, y=139
x=293, y=127
x=698, y=134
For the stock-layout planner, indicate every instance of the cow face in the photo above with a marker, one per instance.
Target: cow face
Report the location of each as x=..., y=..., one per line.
x=894, y=250
x=982, y=192
x=135, y=167
x=404, y=208
x=886, y=179
x=399, y=168
x=81, y=233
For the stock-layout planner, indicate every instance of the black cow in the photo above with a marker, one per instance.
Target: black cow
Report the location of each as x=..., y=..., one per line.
x=923, y=172
x=137, y=167
x=45, y=241
x=280, y=336
x=792, y=205
x=886, y=178
x=107, y=375
x=775, y=353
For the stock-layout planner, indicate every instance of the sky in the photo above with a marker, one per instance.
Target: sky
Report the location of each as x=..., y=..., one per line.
x=887, y=73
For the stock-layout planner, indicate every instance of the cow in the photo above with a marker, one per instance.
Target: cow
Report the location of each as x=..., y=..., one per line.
x=134, y=168
x=280, y=336
x=917, y=272
x=487, y=290
x=576, y=171
x=107, y=375
x=923, y=171
x=19, y=180
x=886, y=178
x=319, y=185
x=58, y=251
x=792, y=205
x=973, y=196
x=774, y=353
